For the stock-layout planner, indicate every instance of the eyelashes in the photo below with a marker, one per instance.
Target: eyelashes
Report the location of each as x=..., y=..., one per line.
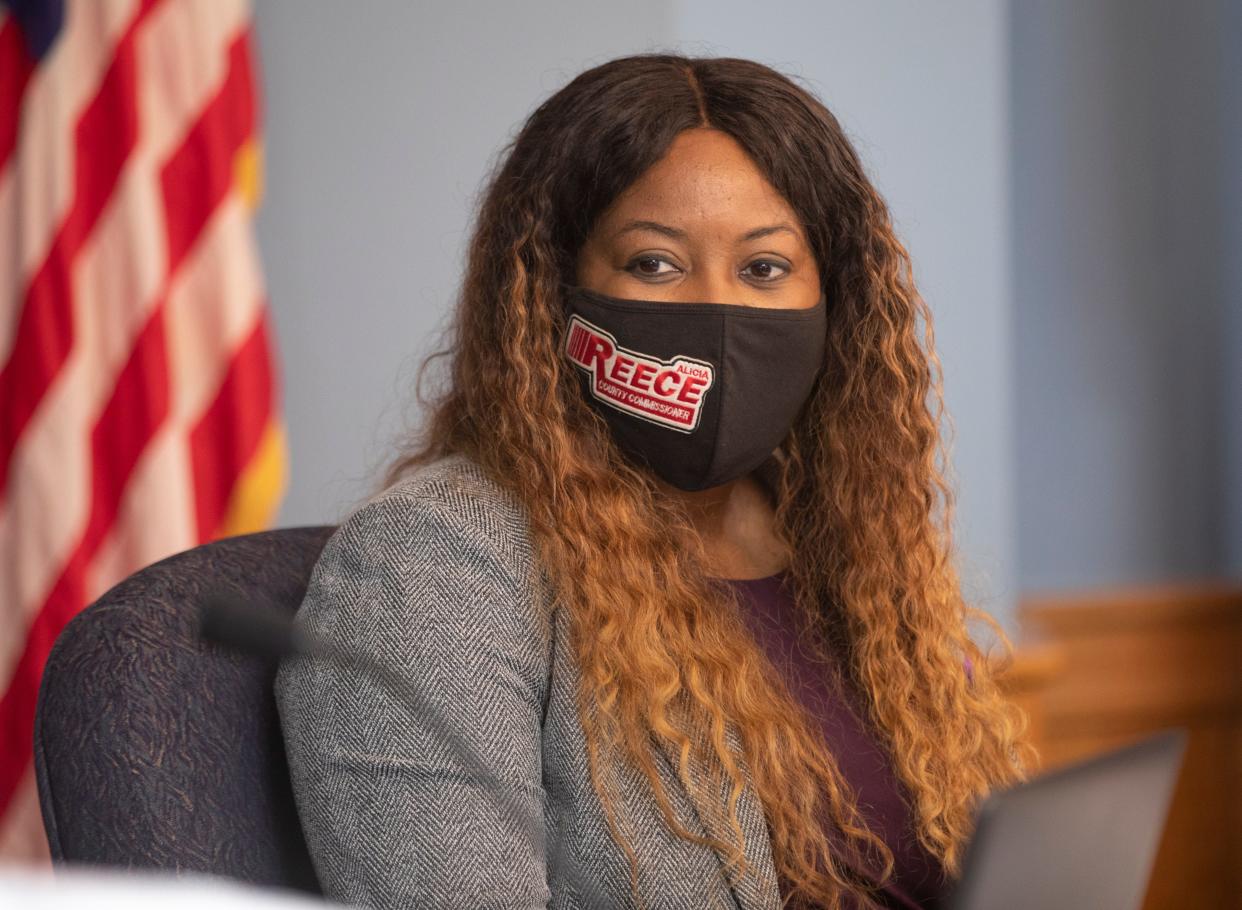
x=638, y=266
x=634, y=267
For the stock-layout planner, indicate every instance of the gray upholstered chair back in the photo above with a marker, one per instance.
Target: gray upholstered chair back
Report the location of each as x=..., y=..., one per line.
x=153, y=749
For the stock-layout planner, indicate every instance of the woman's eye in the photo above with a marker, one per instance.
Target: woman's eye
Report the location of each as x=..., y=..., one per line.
x=650, y=265
x=765, y=270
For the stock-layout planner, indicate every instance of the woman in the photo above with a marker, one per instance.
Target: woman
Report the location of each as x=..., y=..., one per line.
x=666, y=555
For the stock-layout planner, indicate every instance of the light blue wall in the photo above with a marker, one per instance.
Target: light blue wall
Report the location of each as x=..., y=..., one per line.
x=1230, y=51
x=1126, y=204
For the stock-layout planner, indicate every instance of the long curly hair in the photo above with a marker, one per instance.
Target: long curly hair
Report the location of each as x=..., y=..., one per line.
x=861, y=501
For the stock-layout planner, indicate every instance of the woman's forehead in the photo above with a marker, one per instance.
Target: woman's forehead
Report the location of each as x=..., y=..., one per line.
x=705, y=179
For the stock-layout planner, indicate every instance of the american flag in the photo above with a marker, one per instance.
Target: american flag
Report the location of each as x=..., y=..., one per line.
x=139, y=410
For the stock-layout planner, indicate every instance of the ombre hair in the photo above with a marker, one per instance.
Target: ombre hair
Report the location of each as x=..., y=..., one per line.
x=861, y=501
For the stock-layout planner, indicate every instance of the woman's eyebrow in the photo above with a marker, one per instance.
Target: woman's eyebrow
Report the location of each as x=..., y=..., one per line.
x=770, y=229
x=650, y=226
x=679, y=234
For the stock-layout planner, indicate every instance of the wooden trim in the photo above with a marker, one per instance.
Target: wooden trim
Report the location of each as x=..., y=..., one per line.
x=1133, y=606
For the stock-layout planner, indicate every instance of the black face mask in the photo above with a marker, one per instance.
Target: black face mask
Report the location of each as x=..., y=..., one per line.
x=701, y=393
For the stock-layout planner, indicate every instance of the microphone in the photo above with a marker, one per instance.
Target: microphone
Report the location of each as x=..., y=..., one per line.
x=265, y=633
x=256, y=632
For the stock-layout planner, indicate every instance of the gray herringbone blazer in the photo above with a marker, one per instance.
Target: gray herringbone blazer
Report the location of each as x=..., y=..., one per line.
x=436, y=579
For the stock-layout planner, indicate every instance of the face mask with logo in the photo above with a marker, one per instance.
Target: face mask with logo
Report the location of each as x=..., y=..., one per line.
x=701, y=393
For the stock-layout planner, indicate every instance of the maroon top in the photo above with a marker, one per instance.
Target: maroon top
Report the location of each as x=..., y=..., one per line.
x=917, y=880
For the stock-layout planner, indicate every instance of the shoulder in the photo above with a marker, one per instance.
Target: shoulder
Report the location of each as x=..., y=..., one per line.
x=448, y=508
x=459, y=483
x=435, y=575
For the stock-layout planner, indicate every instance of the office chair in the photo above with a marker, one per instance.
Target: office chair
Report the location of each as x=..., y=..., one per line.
x=155, y=750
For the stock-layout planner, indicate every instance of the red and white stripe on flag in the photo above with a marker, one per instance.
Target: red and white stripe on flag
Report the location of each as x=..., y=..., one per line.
x=139, y=410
